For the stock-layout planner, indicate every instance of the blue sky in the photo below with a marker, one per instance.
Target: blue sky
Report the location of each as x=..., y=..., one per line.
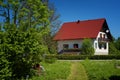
x=73, y=10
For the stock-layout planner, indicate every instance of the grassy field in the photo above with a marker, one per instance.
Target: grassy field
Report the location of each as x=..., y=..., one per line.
x=101, y=70
x=56, y=71
x=79, y=70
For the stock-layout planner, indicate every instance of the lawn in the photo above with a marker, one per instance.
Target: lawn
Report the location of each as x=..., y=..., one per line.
x=55, y=71
x=80, y=70
x=77, y=72
x=102, y=70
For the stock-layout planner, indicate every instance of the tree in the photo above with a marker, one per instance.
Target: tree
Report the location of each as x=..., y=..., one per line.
x=112, y=49
x=87, y=47
x=114, y=46
x=54, y=26
x=117, y=44
x=23, y=42
x=26, y=12
x=5, y=71
x=53, y=18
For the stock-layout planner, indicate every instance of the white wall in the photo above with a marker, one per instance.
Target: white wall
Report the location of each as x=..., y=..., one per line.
x=101, y=51
x=79, y=42
x=70, y=42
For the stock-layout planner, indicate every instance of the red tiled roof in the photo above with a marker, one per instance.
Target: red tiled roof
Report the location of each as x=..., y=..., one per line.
x=80, y=29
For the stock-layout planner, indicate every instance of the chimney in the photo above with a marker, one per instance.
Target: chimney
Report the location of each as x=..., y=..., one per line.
x=78, y=21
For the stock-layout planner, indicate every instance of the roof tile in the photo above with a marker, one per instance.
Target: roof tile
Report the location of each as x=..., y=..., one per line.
x=80, y=29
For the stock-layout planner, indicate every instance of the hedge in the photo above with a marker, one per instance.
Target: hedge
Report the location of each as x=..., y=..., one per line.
x=82, y=57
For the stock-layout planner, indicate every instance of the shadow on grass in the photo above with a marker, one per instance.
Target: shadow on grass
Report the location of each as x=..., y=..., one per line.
x=114, y=77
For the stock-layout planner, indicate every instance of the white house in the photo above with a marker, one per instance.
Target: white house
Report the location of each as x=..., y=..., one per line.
x=71, y=35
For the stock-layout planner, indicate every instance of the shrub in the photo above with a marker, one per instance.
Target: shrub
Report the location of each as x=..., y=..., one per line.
x=52, y=60
x=5, y=71
x=112, y=49
x=87, y=47
x=82, y=57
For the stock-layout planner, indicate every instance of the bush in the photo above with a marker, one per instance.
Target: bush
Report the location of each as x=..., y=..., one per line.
x=112, y=49
x=87, y=47
x=52, y=60
x=5, y=71
x=82, y=57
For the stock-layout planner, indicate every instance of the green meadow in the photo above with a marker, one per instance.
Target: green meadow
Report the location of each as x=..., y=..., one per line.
x=80, y=70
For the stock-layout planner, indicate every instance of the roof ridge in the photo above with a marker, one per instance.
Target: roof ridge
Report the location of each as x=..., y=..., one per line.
x=86, y=20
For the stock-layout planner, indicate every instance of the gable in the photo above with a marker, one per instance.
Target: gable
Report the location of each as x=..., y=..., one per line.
x=80, y=29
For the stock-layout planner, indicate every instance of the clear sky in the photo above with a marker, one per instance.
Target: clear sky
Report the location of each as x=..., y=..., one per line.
x=73, y=10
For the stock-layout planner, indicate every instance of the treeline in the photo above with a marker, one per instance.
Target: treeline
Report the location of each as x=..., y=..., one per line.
x=114, y=47
x=25, y=35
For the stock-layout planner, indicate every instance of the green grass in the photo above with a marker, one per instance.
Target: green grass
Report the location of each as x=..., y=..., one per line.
x=56, y=71
x=83, y=70
x=77, y=72
x=101, y=70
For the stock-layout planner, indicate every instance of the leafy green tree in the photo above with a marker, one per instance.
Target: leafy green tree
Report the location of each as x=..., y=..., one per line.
x=112, y=49
x=24, y=49
x=22, y=45
x=5, y=71
x=117, y=44
x=54, y=26
x=27, y=13
x=87, y=47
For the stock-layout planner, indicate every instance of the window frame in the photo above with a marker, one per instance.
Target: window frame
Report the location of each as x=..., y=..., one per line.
x=65, y=46
x=75, y=46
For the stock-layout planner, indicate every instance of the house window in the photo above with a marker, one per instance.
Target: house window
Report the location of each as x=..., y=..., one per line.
x=105, y=46
x=103, y=36
x=65, y=46
x=100, y=44
x=75, y=45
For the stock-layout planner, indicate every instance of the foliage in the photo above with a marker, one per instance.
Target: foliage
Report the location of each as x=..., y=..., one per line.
x=100, y=70
x=58, y=70
x=87, y=47
x=24, y=50
x=52, y=60
x=27, y=13
x=5, y=71
x=22, y=36
x=50, y=44
x=112, y=49
x=54, y=26
x=82, y=57
x=117, y=44
x=54, y=17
